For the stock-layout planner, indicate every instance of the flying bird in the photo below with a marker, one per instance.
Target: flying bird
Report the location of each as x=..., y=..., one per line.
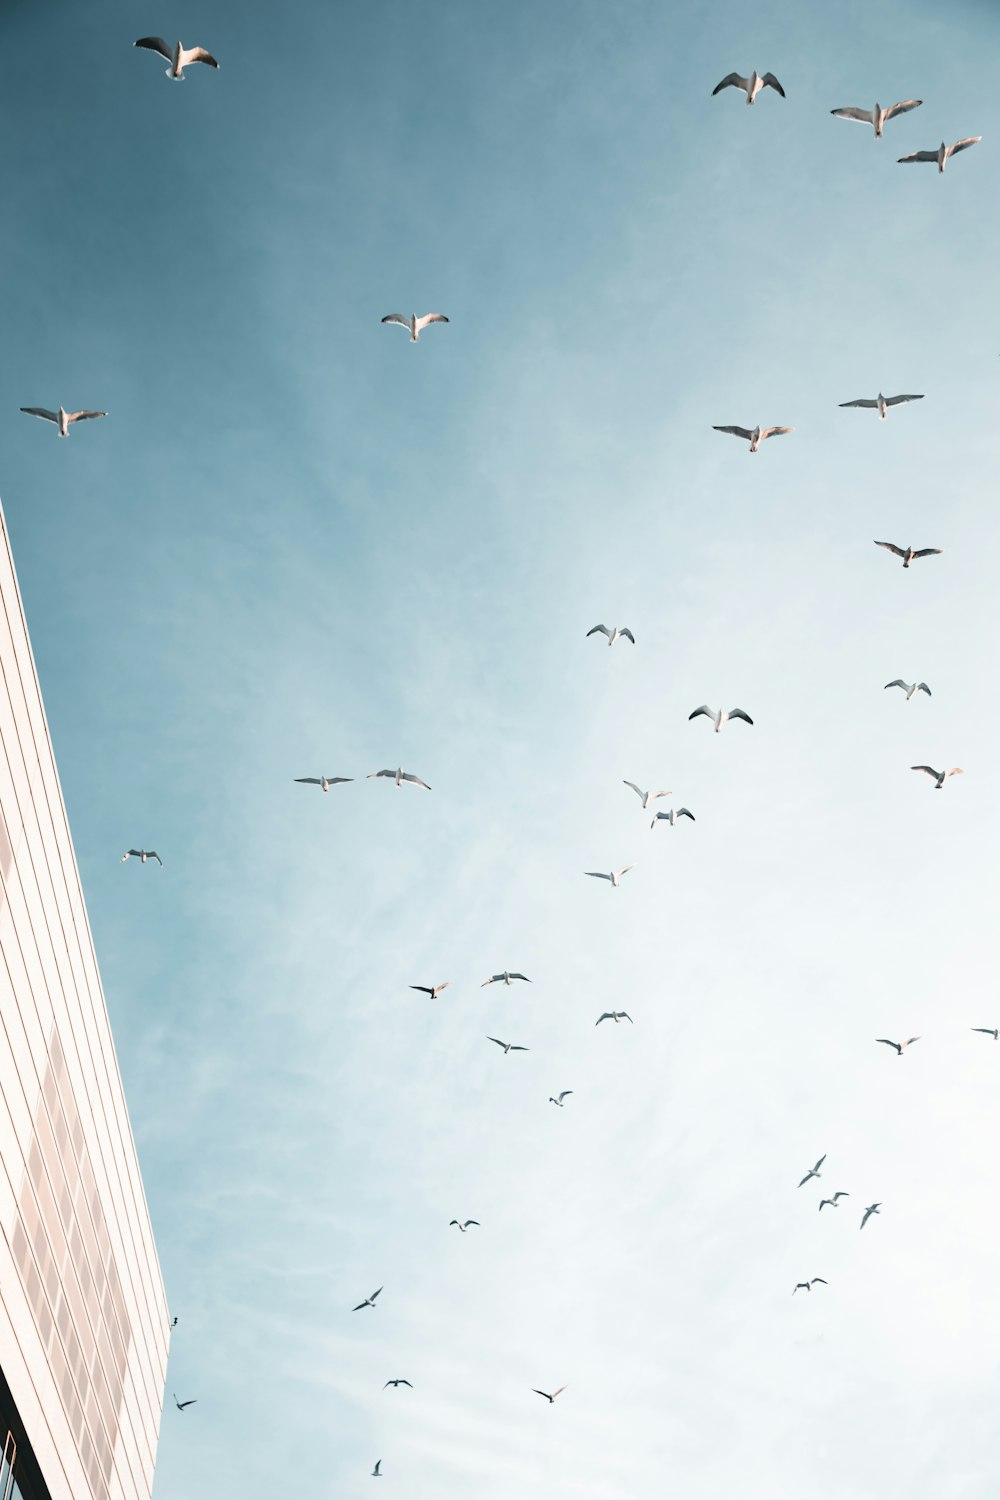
x=326, y=782
x=464, y=1227
x=61, y=417
x=909, y=553
x=754, y=435
x=877, y=116
x=833, y=1202
x=615, y=876
x=142, y=855
x=180, y=1405
x=413, y=323
x=507, y=1046
x=942, y=153
x=909, y=688
x=881, y=403
x=399, y=777
x=899, y=1046
x=505, y=978
x=814, y=1171
x=174, y=1323
x=872, y=1208
x=751, y=86
x=549, y=1398
x=614, y=1015
x=647, y=797
x=397, y=1383
x=613, y=635
x=178, y=57
x=672, y=816
x=808, y=1285
x=566, y=1093
x=431, y=989
x=940, y=777
x=377, y=1471
x=368, y=1302
x=720, y=717
x=993, y=1031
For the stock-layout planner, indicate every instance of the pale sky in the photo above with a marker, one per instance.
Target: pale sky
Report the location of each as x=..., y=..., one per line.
x=299, y=545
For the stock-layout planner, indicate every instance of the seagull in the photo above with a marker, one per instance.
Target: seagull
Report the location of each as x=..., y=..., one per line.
x=399, y=777
x=396, y=1383
x=174, y=1323
x=993, y=1031
x=464, y=1227
x=751, y=86
x=614, y=1015
x=413, y=323
x=376, y=1472
x=505, y=978
x=672, y=816
x=755, y=435
x=872, y=1208
x=899, y=1046
x=432, y=990
x=647, y=797
x=720, y=717
x=940, y=777
x=507, y=1046
x=909, y=688
x=814, y=1171
x=877, y=116
x=808, y=1285
x=548, y=1398
x=615, y=876
x=566, y=1092
x=909, y=553
x=368, y=1302
x=942, y=153
x=613, y=635
x=178, y=57
x=882, y=403
x=62, y=418
x=142, y=855
x=326, y=782
x=832, y=1201
x=180, y=1405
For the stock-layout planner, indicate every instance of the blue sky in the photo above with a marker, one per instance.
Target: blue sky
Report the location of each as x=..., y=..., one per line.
x=299, y=545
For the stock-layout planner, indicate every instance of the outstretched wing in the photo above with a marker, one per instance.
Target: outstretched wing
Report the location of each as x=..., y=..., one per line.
x=737, y=713
x=962, y=145
x=430, y=318
x=628, y=635
x=682, y=812
x=928, y=551
x=898, y=682
x=517, y=976
x=397, y=318
x=731, y=80
x=919, y=156
x=155, y=44
x=891, y=547
x=41, y=411
x=849, y=113
x=863, y=402
x=424, y=990
x=497, y=1040
x=602, y=628
x=923, y=688
x=310, y=780
x=769, y=81
x=743, y=432
x=898, y=400
x=597, y=874
x=84, y=416
x=198, y=54
x=626, y=1017
x=928, y=769
x=607, y=1016
x=704, y=709
x=767, y=432
x=393, y=774
x=887, y=1043
x=902, y=108
x=416, y=780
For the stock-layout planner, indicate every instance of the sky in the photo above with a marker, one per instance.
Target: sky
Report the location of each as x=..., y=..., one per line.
x=301, y=546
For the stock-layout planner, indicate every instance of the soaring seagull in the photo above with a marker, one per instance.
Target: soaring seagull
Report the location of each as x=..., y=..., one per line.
x=142, y=855
x=751, y=86
x=413, y=323
x=549, y=1398
x=808, y=1285
x=368, y=1302
x=993, y=1031
x=877, y=116
x=647, y=797
x=431, y=989
x=754, y=435
x=504, y=978
x=942, y=153
x=909, y=553
x=834, y=1201
x=62, y=418
x=464, y=1226
x=614, y=1015
x=814, y=1171
x=672, y=816
x=399, y=777
x=377, y=1471
x=178, y=57
x=720, y=717
x=909, y=688
x=613, y=635
x=326, y=782
x=180, y=1405
x=507, y=1046
x=395, y=1383
x=872, y=1208
x=940, y=777
x=899, y=1046
x=615, y=876
x=881, y=403
x=566, y=1092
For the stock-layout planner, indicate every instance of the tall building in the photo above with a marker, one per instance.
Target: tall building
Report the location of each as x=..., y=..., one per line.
x=83, y=1313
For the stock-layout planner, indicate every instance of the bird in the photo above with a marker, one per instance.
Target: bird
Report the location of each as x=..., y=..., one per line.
x=899, y=1046
x=464, y=1227
x=940, y=777
x=615, y=876
x=881, y=403
x=808, y=1285
x=178, y=57
x=413, y=323
x=614, y=1015
x=399, y=777
x=368, y=1302
x=909, y=553
x=507, y=1046
x=432, y=990
x=549, y=1398
x=751, y=86
x=62, y=418
x=942, y=153
x=833, y=1202
x=174, y=1323
x=872, y=1208
x=909, y=688
x=755, y=435
x=397, y=1383
x=672, y=816
x=814, y=1171
x=564, y=1095
x=142, y=855
x=878, y=116
x=720, y=717
x=180, y=1405
x=613, y=635
x=505, y=978
x=377, y=1471
x=993, y=1031
x=647, y=797
x=326, y=782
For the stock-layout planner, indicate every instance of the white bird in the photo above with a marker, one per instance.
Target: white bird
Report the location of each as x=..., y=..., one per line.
x=142, y=855
x=720, y=717
x=647, y=797
x=464, y=1227
x=899, y=1046
x=564, y=1095
x=368, y=1302
x=413, y=323
x=672, y=816
x=872, y=1208
x=431, y=989
x=377, y=1471
x=993, y=1031
x=549, y=1398
x=326, y=782
x=808, y=1285
x=62, y=418
x=814, y=1171
x=614, y=1015
x=399, y=777
x=751, y=86
x=178, y=57
x=940, y=777
x=505, y=978
x=877, y=116
x=833, y=1202
x=755, y=435
x=615, y=876
x=909, y=553
x=942, y=153
x=881, y=403
x=507, y=1046
x=909, y=688
x=613, y=635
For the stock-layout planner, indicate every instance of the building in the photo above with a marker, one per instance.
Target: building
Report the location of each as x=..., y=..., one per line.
x=83, y=1314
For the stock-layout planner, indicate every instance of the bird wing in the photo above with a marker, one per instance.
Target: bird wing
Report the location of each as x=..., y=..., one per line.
x=769, y=81
x=607, y=1016
x=155, y=44
x=392, y=773
x=704, y=709
x=396, y=318
x=638, y=790
x=806, y=1178
x=891, y=547
x=902, y=108
x=423, y=988
x=337, y=780
x=682, y=812
x=198, y=54
x=841, y=1194
x=374, y=1295
x=453, y=1221
x=928, y=551
x=181, y=1404
x=311, y=780
x=629, y=637
x=743, y=432
x=517, y=976
x=909, y=1042
x=41, y=411
x=602, y=628
x=961, y=145
x=898, y=682
x=430, y=318
x=923, y=688
x=986, y=1030
x=497, y=1040
x=473, y=1221
x=624, y=870
x=898, y=400
x=407, y=1382
x=597, y=874
x=359, y=1306
x=885, y=1040
x=767, y=432
x=541, y=1393
x=565, y=1093
x=738, y=713
x=820, y=1162
x=626, y=1017
x=919, y=156
x=821, y=1279
x=850, y=113
x=731, y=80
x=863, y=402
x=520, y=1049
x=136, y=852
x=416, y=780
x=152, y=854
x=929, y=770
x=83, y=416
x=556, y=1393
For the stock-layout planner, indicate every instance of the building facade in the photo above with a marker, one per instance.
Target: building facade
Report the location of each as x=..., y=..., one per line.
x=83, y=1314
